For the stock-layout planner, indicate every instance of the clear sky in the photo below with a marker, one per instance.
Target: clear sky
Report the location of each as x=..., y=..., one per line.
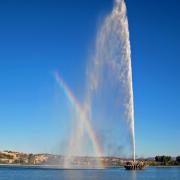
x=39, y=37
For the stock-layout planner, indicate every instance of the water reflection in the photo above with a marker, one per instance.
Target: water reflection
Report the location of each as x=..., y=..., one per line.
x=133, y=175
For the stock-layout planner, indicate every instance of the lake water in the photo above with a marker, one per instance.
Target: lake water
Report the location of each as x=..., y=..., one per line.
x=34, y=173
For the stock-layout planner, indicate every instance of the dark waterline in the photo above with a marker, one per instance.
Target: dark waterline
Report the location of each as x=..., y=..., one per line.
x=49, y=173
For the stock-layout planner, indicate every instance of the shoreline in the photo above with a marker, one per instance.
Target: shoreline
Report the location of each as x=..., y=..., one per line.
x=57, y=167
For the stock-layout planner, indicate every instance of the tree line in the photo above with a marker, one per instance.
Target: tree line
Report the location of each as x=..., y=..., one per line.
x=167, y=160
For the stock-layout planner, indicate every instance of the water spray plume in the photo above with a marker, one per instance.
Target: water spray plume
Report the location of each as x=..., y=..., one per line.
x=109, y=87
x=112, y=63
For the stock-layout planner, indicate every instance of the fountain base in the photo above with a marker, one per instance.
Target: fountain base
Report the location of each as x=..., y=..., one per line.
x=135, y=165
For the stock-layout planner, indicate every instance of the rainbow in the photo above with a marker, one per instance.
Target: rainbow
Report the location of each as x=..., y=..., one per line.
x=96, y=146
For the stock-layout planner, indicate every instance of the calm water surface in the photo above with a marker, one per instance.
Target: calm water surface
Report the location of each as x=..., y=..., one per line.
x=23, y=173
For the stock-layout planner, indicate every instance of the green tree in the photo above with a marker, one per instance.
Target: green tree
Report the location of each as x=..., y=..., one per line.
x=158, y=158
x=178, y=159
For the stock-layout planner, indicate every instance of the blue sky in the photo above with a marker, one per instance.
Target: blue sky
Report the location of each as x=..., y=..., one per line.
x=39, y=37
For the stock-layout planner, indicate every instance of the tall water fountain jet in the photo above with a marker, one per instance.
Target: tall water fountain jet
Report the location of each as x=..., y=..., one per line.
x=109, y=75
x=108, y=103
